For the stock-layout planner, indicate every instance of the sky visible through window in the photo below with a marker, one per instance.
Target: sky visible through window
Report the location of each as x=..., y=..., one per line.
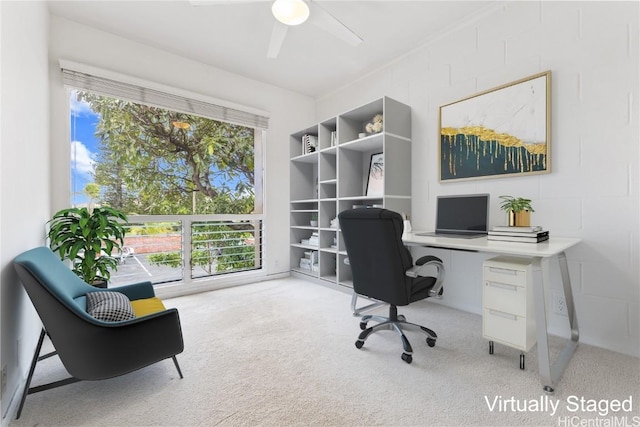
x=84, y=147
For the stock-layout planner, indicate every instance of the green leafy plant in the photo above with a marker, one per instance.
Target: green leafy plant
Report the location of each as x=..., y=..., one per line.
x=87, y=237
x=217, y=248
x=515, y=204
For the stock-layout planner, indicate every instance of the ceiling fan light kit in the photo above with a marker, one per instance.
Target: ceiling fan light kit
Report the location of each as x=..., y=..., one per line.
x=295, y=12
x=290, y=12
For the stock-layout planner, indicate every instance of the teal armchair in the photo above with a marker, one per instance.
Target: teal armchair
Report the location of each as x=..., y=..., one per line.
x=90, y=348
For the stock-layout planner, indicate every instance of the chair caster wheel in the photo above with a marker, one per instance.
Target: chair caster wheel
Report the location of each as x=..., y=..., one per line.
x=431, y=342
x=402, y=318
x=359, y=344
x=407, y=357
x=363, y=325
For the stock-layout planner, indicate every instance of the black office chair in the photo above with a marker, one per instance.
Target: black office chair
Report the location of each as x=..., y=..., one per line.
x=383, y=270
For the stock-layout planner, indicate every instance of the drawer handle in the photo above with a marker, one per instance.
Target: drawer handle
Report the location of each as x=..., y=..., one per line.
x=503, y=286
x=504, y=315
x=503, y=271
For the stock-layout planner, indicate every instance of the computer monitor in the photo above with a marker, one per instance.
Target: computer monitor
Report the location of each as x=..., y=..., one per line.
x=463, y=214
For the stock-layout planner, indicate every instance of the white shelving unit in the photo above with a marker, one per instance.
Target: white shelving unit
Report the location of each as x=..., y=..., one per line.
x=334, y=178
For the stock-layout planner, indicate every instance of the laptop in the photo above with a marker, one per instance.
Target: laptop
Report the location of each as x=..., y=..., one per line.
x=461, y=216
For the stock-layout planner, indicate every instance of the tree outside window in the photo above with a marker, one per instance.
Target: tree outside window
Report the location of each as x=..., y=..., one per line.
x=146, y=160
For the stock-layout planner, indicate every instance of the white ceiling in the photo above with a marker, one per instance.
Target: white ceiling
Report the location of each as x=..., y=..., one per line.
x=234, y=36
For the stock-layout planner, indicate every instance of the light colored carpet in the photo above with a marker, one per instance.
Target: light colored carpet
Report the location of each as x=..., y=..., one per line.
x=281, y=353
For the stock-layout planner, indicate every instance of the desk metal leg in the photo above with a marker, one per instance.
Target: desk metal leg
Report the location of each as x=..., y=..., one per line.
x=550, y=375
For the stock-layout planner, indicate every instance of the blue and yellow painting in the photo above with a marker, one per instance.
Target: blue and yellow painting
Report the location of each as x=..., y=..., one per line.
x=499, y=132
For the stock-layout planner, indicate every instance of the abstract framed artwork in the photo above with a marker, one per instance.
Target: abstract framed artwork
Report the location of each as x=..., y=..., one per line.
x=375, y=180
x=504, y=131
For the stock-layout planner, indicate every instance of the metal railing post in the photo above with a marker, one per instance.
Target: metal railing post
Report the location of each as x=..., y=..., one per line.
x=187, y=264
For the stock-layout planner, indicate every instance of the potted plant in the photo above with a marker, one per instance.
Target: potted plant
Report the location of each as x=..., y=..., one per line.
x=519, y=210
x=87, y=237
x=314, y=219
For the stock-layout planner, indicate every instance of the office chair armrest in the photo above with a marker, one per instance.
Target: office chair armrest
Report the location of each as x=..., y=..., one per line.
x=424, y=268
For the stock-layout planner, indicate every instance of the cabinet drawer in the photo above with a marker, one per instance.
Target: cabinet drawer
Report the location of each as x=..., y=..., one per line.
x=505, y=297
x=505, y=328
x=505, y=275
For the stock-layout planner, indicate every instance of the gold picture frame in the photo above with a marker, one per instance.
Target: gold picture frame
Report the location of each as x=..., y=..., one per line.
x=501, y=132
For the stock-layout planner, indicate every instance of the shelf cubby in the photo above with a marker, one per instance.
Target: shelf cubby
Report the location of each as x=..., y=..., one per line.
x=334, y=177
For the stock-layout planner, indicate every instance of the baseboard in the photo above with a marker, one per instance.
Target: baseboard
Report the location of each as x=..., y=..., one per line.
x=12, y=408
x=206, y=285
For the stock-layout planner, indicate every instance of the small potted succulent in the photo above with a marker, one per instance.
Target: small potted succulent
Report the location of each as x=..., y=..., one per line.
x=314, y=219
x=519, y=210
x=88, y=237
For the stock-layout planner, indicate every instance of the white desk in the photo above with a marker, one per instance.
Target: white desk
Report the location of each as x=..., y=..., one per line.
x=540, y=254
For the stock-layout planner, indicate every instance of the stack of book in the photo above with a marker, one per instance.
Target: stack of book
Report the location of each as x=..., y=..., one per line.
x=533, y=234
x=313, y=240
x=310, y=261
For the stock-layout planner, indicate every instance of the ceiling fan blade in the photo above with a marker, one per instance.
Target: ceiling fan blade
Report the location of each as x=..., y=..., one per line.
x=326, y=21
x=277, y=38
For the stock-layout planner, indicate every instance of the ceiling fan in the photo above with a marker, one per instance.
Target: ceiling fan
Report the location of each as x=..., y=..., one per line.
x=295, y=12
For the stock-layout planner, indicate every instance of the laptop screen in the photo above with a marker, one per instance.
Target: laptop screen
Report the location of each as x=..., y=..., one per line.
x=462, y=214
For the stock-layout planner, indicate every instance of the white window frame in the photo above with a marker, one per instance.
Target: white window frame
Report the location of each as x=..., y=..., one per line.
x=162, y=96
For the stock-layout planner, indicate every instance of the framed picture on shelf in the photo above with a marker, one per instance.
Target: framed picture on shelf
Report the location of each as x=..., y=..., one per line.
x=375, y=180
x=504, y=131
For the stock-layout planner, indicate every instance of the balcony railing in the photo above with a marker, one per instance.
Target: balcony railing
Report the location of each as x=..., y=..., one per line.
x=182, y=248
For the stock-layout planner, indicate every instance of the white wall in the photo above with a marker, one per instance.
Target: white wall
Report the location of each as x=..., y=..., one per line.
x=24, y=175
x=288, y=111
x=35, y=144
x=592, y=193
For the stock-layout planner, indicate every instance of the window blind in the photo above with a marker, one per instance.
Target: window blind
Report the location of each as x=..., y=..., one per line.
x=157, y=98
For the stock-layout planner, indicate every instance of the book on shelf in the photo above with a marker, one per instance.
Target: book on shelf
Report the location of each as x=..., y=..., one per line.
x=309, y=143
x=309, y=261
x=314, y=240
x=524, y=239
x=312, y=256
x=517, y=229
x=305, y=264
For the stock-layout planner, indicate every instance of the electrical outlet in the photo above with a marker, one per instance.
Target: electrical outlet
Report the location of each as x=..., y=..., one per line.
x=3, y=380
x=559, y=304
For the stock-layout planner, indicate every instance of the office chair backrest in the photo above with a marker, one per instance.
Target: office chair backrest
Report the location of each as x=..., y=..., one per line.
x=377, y=255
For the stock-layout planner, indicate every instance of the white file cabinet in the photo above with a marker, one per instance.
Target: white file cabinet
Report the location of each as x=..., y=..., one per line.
x=507, y=304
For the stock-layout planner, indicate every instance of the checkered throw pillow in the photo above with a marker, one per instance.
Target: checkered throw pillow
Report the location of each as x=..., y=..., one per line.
x=109, y=306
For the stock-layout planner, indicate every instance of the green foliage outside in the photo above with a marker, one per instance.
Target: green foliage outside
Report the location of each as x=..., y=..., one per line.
x=152, y=229
x=215, y=248
x=154, y=161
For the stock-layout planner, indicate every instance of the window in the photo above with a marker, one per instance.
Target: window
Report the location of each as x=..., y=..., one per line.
x=154, y=161
x=191, y=185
